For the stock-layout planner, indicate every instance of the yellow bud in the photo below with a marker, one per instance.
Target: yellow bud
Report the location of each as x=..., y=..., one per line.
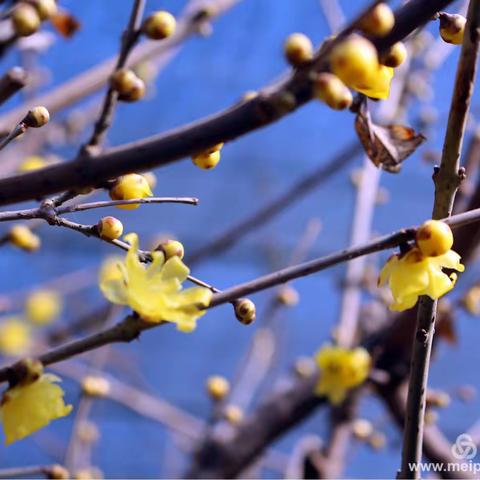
x=15, y=336
x=434, y=238
x=452, y=27
x=136, y=92
x=330, y=89
x=37, y=117
x=159, y=25
x=130, y=187
x=43, y=306
x=233, y=414
x=31, y=163
x=110, y=228
x=123, y=81
x=25, y=20
x=298, y=49
x=287, y=296
x=379, y=21
x=245, y=310
x=217, y=387
x=354, y=60
x=395, y=56
x=171, y=248
x=362, y=428
x=95, y=386
x=304, y=367
x=57, y=472
x=45, y=8
x=206, y=160
x=22, y=237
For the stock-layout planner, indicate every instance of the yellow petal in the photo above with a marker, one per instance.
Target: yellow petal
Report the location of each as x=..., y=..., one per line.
x=378, y=85
x=450, y=259
x=387, y=269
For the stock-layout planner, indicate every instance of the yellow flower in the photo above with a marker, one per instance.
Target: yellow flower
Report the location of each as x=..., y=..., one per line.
x=25, y=408
x=15, y=337
x=154, y=292
x=378, y=85
x=413, y=274
x=43, y=306
x=341, y=369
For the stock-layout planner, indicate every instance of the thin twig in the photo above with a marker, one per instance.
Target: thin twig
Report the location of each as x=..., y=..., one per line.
x=10, y=83
x=447, y=180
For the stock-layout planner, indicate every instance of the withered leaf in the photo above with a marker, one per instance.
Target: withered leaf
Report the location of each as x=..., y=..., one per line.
x=386, y=146
x=65, y=24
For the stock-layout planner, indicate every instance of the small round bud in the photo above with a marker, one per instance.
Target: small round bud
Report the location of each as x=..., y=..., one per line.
x=354, y=60
x=110, y=228
x=298, y=49
x=95, y=386
x=395, y=56
x=25, y=20
x=331, y=90
x=159, y=25
x=245, y=310
x=45, y=8
x=434, y=238
x=217, y=387
x=136, y=93
x=452, y=27
x=57, y=472
x=129, y=187
x=37, y=117
x=171, y=248
x=233, y=414
x=379, y=21
x=304, y=367
x=31, y=163
x=43, y=306
x=205, y=160
x=362, y=428
x=287, y=296
x=22, y=237
x=123, y=81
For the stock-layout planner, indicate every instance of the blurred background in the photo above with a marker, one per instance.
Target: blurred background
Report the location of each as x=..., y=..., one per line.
x=242, y=53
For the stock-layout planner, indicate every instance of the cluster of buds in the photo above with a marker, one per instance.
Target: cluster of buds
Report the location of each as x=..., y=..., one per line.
x=128, y=85
x=27, y=16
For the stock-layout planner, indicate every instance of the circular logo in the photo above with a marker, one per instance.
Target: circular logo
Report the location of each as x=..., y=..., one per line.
x=464, y=447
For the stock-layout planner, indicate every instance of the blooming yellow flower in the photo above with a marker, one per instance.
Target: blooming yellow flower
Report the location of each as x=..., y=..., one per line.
x=25, y=408
x=15, y=336
x=413, y=274
x=341, y=369
x=154, y=292
x=43, y=306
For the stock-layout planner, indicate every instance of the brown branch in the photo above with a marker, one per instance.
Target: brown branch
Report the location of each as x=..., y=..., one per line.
x=10, y=83
x=447, y=180
x=270, y=105
x=129, y=39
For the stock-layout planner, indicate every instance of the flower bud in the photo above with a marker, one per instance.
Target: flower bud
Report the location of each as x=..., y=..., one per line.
x=37, y=117
x=122, y=81
x=330, y=89
x=395, y=56
x=245, y=310
x=129, y=187
x=205, y=160
x=434, y=238
x=159, y=25
x=22, y=237
x=45, y=8
x=287, y=296
x=25, y=20
x=110, y=228
x=43, y=306
x=95, y=386
x=217, y=387
x=379, y=21
x=452, y=27
x=233, y=414
x=171, y=248
x=136, y=93
x=298, y=49
x=354, y=60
